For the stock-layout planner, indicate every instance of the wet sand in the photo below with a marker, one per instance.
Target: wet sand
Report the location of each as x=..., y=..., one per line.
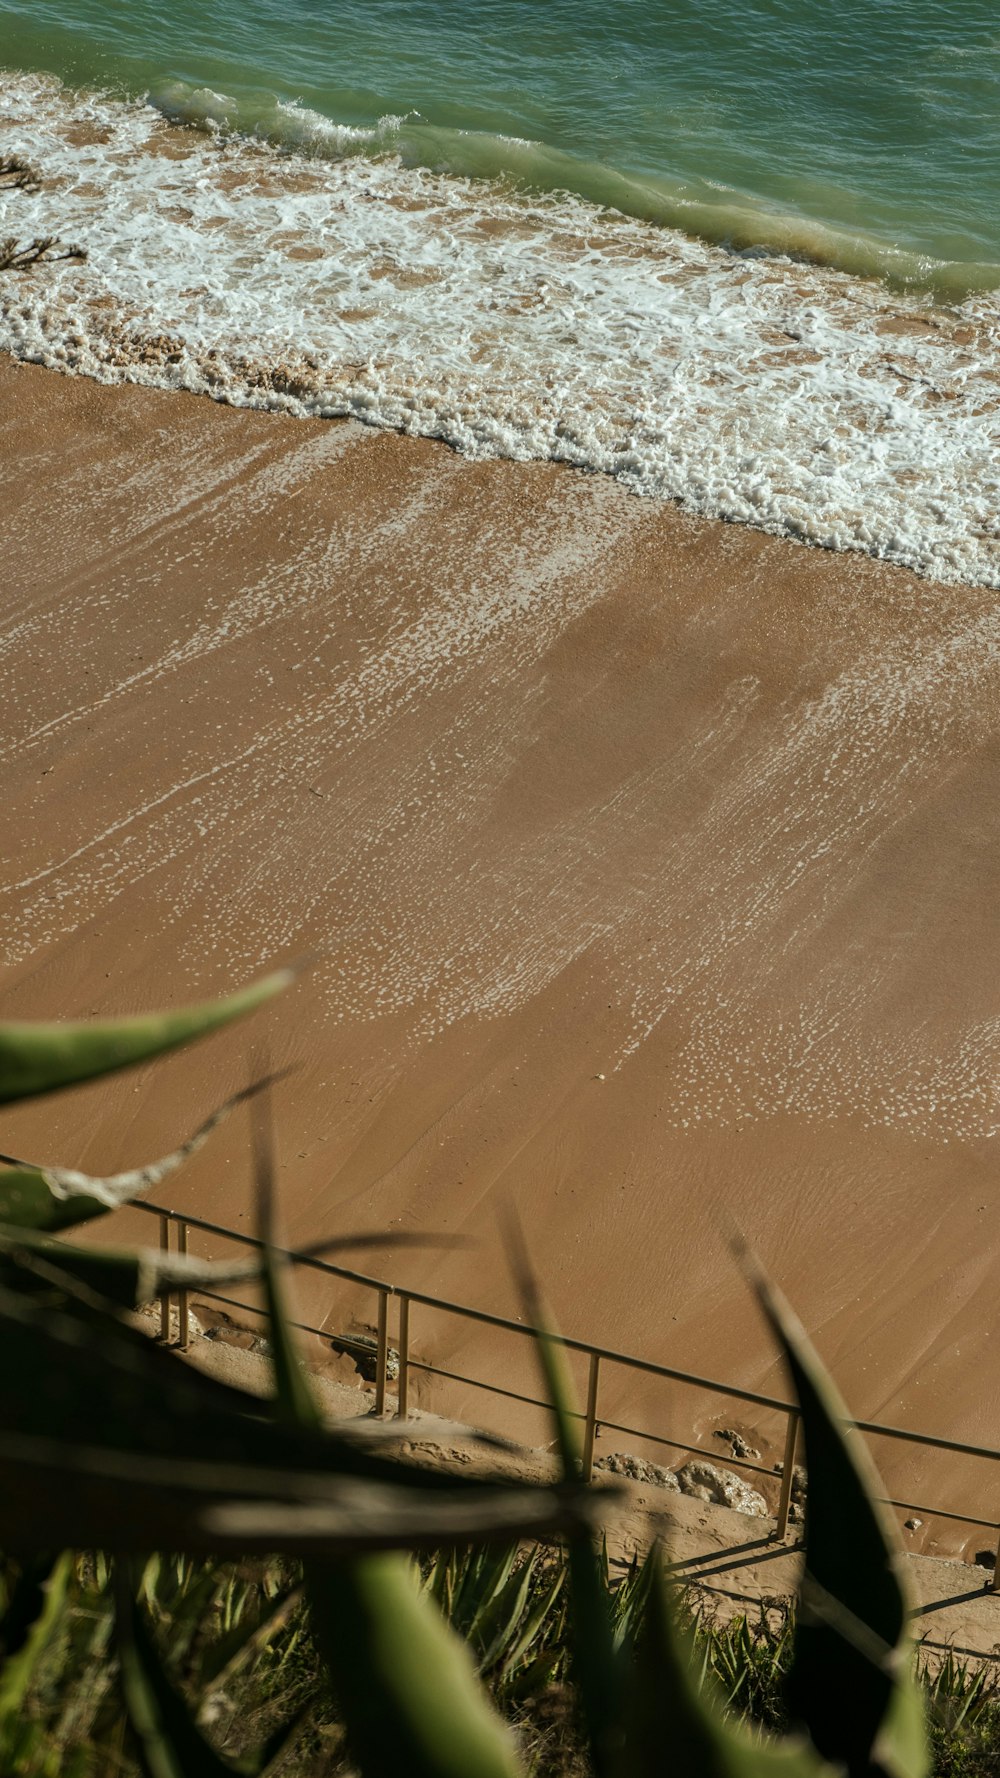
x=652, y=864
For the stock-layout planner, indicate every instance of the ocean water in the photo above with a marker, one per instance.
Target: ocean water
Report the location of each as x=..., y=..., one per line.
x=745, y=257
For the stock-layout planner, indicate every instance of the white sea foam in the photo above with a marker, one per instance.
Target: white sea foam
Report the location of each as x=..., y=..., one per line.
x=333, y=279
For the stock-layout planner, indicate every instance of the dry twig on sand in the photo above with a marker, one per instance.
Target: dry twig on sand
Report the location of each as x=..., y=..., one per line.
x=17, y=174
x=17, y=256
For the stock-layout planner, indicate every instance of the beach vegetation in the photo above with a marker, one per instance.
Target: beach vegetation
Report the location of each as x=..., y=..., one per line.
x=198, y=1583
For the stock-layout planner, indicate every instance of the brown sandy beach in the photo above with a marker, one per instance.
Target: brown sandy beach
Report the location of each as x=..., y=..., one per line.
x=653, y=864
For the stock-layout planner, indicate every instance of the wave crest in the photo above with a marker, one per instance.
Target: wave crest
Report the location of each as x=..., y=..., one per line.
x=341, y=279
x=721, y=216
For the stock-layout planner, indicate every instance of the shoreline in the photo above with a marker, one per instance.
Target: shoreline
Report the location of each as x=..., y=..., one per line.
x=461, y=309
x=652, y=865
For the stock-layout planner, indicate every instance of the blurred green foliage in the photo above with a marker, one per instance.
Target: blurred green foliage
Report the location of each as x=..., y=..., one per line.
x=252, y=1605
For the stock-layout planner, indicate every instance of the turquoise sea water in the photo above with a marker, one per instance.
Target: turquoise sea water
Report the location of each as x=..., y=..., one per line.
x=854, y=131
x=743, y=256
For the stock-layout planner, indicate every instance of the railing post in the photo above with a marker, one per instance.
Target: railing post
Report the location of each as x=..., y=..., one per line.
x=403, y=1385
x=382, y=1351
x=182, y=1295
x=590, y=1424
x=995, y=1582
x=787, y=1476
x=165, y=1294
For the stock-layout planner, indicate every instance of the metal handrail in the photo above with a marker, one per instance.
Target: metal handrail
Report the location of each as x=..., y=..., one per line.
x=597, y=1355
x=484, y=1316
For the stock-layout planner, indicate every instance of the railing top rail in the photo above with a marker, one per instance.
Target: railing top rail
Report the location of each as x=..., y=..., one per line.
x=484, y=1316
x=302, y=1259
x=505, y=1322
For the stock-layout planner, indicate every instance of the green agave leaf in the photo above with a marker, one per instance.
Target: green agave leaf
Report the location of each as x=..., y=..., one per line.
x=408, y=1691
x=129, y=1502
x=954, y=1690
x=41, y=1058
x=533, y=1625
x=498, y=1624
x=118, y=1277
x=630, y=1601
x=851, y=1641
x=460, y=1565
x=437, y=1578
x=51, y=1198
x=597, y=1665
x=50, y=1587
x=295, y=1404
x=169, y=1741
x=74, y=1367
x=674, y=1724
x=123, y=1277
x=27, y=1201
x=534, y=1679
x=406, y=1684
x=252, y=1628
x=486, y=1572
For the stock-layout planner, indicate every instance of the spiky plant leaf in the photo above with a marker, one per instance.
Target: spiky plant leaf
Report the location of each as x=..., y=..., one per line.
x=169, y=1741
x=406, y=1683
x=128, y=1501
x=251, y=1630
x=165, y=1456
x=72, y=1366
x=408, y=1691
x=532, y=1627
x=956, y=1691
x=499, y=1622
x=50, y=1198
x=31, y=1633
x=123, y=1277
x=41, y=1058
x=128, y=1278
x=676, y=1724
x=116, y=1276
x=597, y=1663
x=500, y=1605
x=534, y=1678
x=851, y=1641
x=630, y=1601
x=294, y=1403
x=28, y=1202
x=484, y=1575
